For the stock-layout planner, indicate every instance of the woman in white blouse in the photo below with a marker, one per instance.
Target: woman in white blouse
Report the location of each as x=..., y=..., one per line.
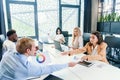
x=59, y=36
x=77, y=41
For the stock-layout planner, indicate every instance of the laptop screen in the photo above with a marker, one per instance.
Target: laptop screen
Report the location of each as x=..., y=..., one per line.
x=57, y=45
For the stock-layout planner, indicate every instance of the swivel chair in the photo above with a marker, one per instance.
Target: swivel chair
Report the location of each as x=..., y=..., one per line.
x=65, y=34
x=113, y=50
x=2, y=39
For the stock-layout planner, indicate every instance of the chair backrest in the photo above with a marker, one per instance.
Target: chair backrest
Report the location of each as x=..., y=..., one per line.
x=65, y=33
x=2, y=39
x=86, y=38
x=113, y=50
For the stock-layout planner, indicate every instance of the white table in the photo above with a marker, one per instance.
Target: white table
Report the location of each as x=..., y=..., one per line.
x=98, y=71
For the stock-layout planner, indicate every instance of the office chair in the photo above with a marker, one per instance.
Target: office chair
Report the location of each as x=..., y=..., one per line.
x=2, y=39
x=113, y=50
x=86, y=37
x=65, y=34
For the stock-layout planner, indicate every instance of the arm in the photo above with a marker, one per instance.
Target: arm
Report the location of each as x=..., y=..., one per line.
x=102, y=53
x=38, y=70
x=62, y=39
x=76, y=51
x=101, y=56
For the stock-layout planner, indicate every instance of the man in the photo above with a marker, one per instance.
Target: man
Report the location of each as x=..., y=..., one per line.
x=9, y=44
x=15, y=66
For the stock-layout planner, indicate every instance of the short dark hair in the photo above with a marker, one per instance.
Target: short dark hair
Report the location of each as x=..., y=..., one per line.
x=10, y=32
x=58, y=29
x=99, y=36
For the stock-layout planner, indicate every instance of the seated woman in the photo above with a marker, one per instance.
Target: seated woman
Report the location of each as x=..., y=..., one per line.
x=77, y=41
x=95, y=48
x=59, y=36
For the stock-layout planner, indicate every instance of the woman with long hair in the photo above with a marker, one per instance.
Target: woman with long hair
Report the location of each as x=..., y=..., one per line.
x=95, y=48
x=77, y=40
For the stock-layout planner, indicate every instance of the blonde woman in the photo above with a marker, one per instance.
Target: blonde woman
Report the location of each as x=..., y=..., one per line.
x=77, y=41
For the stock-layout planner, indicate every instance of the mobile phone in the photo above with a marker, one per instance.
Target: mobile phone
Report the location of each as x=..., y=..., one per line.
x=85, y=63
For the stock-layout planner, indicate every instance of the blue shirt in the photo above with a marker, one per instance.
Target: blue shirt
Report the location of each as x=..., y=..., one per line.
x=15, y=66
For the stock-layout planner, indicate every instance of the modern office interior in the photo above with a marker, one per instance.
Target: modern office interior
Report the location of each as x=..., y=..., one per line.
x=40, y=18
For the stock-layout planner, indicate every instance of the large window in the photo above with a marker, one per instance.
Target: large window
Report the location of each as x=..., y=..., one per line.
x=21, y=16
x=48, y=17
x=108, y=6
x=117, y=7
x=105, y=7
x=37, y=18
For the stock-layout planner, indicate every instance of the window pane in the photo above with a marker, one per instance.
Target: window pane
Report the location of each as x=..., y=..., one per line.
x=117, y=7
x=107, y=6
x=48, y=17
x=23, y=0
x=73, y=2
x=22, y=18
x=69, y=19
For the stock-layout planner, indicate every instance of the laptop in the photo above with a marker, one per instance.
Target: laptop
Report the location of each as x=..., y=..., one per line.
x=46, y=40
x=52, y=77
x=57, y=45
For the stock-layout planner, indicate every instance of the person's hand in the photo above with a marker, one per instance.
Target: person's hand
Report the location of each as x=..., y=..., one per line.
x=72, y=48
x=61, y=41
x=87, y=57
x=72, y=64
x=69, y=47
x=65, y=53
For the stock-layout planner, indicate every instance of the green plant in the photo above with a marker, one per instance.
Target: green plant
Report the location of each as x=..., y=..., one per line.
x=101, y=19
x=110, y=18
x=118, y=18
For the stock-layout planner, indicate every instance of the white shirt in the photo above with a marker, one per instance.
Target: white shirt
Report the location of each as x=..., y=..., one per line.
x=59, y=37
x=9, y=46
x=78, y=42
x=94, y=50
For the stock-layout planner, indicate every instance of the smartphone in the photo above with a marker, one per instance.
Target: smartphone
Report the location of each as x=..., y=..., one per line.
x=85, y=63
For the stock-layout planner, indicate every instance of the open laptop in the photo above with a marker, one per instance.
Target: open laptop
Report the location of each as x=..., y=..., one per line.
x=57, y=45
x=46, y=40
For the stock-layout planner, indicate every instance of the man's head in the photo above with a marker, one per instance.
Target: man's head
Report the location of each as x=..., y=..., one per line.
x=11, y=34
x=26, y=46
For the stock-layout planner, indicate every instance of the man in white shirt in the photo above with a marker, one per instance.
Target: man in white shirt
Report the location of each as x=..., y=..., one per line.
x=9, y=44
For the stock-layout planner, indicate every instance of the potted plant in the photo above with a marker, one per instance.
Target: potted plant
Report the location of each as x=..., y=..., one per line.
x=104, y=23
x=109, y=23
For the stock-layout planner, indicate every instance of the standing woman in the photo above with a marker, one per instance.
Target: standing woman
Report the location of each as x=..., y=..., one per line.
x=59, y=36
x=77, y=41
x=95, y=48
